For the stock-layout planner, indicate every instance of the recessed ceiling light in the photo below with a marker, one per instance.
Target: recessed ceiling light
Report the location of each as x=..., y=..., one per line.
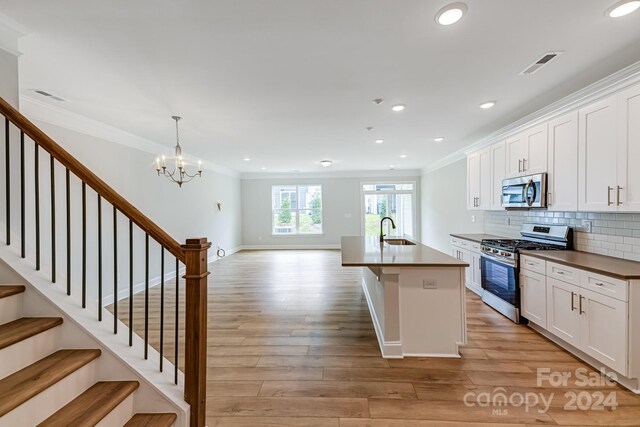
x=379, y=141
x=622, y=8
x=403, y=156
x=392, y=167
x=264, y=168
x=326, y=163
x=398, y=107
x=378, y=101
x=438, y=139
x=488, y=104
x=246, y=159
x=369, y=128
x=451, y=13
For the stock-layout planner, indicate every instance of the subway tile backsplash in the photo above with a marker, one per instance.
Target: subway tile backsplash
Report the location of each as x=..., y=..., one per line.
x=613, y=234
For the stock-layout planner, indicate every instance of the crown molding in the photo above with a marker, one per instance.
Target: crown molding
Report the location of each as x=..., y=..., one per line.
x=10, y=33
x=607, y=86
x=35, y=109
x=396, y=173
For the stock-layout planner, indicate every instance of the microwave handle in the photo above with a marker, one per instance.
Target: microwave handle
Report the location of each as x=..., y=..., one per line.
x=528, y=199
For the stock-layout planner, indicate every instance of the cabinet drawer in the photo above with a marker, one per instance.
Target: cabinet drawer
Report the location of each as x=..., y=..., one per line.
x=475, y=246
x=533, y=264
x=564, y=273
x=455, y=241
x=605, y=285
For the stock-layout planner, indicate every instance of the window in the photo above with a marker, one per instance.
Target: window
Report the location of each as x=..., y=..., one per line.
x=296, y=209
x=395, y=200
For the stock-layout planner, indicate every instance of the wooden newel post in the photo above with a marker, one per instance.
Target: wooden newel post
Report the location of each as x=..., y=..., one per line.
x=195, y=369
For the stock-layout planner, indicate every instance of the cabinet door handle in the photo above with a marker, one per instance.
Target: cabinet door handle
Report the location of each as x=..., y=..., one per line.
x=599, y=284
x=548, y=199
x=478, y=202
x=560, y=272
x=573, y=306
x=581, y=310
x=524, y=168
x=519, y=165
x=609, y=203
x=618, y=202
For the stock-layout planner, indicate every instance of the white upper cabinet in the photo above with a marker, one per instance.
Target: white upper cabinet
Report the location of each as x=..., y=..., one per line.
x=479, y=179
x=498, y=173
x=527, y=152
x=609, y=154
x=515, y=153
x=563, y=163
x=598, y=156
x=628, y=186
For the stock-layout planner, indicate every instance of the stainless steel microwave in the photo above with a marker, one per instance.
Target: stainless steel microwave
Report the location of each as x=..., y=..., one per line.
x=525, y=192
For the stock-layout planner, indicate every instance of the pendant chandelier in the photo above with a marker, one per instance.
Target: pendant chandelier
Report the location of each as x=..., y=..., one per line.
x=179, y=175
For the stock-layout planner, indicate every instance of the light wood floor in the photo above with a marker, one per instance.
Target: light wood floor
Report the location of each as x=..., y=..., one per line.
x=291, y=343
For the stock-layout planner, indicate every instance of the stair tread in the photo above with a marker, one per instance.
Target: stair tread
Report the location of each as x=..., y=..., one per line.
x=92, y=405
x=21, y=386
x=155, y=420
x=8, y=290
x=25, y=327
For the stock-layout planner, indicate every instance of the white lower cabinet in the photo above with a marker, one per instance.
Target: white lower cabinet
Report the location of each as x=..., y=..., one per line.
x=533, y=291
x=603, y=329
x=588, y=311
x=469, y=252
x=563, y=316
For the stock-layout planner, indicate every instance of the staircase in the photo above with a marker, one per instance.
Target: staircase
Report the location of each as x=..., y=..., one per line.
x=45, y=385
x=64, y=359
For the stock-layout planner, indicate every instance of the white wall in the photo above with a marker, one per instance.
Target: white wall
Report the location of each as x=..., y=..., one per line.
x=184, y=212
x=341, y=210
x=444, y=207
x=9, y=78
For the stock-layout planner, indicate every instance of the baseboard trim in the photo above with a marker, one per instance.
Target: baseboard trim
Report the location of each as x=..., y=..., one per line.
x=288, y=247
x=475, y=289
x=389, y=349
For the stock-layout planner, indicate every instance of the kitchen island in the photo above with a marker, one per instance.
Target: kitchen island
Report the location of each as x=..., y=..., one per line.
x=415, y=295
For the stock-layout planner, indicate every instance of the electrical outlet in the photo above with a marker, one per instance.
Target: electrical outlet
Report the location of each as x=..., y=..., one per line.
x=429, y=284
x=473, y=218
x=586, y=226
x=507, y=221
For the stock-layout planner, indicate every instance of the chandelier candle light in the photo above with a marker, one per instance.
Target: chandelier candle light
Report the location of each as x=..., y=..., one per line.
x=179, y=175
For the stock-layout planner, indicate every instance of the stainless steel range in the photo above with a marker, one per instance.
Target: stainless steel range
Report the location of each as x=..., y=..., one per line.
x=500, y=269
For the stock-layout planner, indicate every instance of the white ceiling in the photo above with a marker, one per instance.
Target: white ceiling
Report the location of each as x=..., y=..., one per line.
x=291, y=82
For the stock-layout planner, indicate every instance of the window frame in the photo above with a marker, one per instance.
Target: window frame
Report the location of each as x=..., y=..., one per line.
x=413, y=193
x=297, y=212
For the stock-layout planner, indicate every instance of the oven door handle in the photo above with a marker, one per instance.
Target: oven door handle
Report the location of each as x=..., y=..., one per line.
x=496, y=259
x=532, y=199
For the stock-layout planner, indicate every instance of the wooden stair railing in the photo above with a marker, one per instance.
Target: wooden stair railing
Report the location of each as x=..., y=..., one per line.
x=193, y=254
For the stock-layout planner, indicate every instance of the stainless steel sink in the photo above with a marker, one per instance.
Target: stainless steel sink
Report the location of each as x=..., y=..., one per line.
x=397, y=242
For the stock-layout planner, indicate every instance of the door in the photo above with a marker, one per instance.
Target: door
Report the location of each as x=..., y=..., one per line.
x=628, y=187
x=516, y=151
x=484, y=196
x=500, y=280
x=473, y=180
x=533, y=291
x=476, y=271
x=535, y=159
x=563, y=316
x=562, y=180
x=603, y=330
x=598, y=157
x=498, y=173
x=392, y=200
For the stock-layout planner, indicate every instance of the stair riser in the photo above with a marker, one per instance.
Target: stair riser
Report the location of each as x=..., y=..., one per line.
x=24, y=353
x=120, y=414
x=10, y=308
x=40, y=407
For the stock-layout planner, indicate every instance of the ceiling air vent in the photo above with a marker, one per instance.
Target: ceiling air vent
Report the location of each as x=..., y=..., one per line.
x=48, y=95
x=536, y=66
